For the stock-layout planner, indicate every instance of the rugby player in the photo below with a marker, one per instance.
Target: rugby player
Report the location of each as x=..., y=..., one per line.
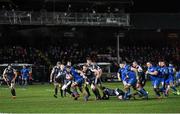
x=152, y=72
x=90, y=80
x=9, y=76
x=170, y=80
x=25, y=75
x=58, y=76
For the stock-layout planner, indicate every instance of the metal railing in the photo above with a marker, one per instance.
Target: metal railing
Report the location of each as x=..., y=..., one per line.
x=63, y=18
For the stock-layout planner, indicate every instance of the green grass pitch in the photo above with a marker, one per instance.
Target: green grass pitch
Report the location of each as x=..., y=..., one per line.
x=39, y=99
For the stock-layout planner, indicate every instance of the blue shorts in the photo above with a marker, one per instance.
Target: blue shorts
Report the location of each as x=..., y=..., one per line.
x=155, y=81
x=25, y=77
x=132, y=81
x=79, y=81
x=161, y=80
x=169, y=80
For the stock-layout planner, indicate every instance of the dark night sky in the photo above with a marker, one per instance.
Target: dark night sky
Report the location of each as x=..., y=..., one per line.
x=171, y=6
x=139, y=6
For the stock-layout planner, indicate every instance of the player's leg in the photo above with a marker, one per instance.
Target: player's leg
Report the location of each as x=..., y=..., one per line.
x=173, y=87
x=25, y=81
x=163, y=85
x=55, y=89
x=99, y=88
x=74, y=86
x=67, y=87
x=131, y=82
x=60, y=88
x=156, y=87
x=85, y=91
x=141, y=90
x=13, y=91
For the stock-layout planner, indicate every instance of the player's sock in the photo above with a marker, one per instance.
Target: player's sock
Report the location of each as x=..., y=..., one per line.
x=13, y=92
x=144, y=92
x=69, y=91
x=87, y=90
x=56, y=91
x=174, y=89
x=157, y=92
x=64, y=93
x=94, y=91
x=61, y=92
x=98, y=94
x=127, y=93
x=75, y=94
x=162, y=89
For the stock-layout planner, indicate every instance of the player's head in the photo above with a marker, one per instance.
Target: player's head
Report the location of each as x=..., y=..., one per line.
x=24, y=66
x=170, y=64
x=9, y=66
x=88, y=60
x=148, y=64
x=161, y=63
x=58, y=63
x=62, y=66
x=68, y=68
x=122, y=64
x=85, y=67
x=134, y=64
x=69, y=63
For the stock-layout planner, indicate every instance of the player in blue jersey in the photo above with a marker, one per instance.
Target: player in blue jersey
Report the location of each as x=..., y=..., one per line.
x=131, y=77
x=141, y=80
x=163, y=73
x=25, y=75
x=152, y=72
x=9, y=76
x=177, y=78
x=78, y=81
x=68, y=80
x=58, y=76
x=122, y=72
x=170, y=80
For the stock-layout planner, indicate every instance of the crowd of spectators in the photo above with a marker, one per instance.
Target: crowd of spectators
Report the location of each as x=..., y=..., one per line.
x=19, y=54
x=77, y=54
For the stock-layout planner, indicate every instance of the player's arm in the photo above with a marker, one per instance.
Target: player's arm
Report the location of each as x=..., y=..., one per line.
x=174, y=70
x=118, y=76
x=29, y=72
x=15, y=75
x=81, y=73
x=51, y=75
x=96, y=72
x=4, y=75
x=153, y=73
x=136, y=72
x=21, y=72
